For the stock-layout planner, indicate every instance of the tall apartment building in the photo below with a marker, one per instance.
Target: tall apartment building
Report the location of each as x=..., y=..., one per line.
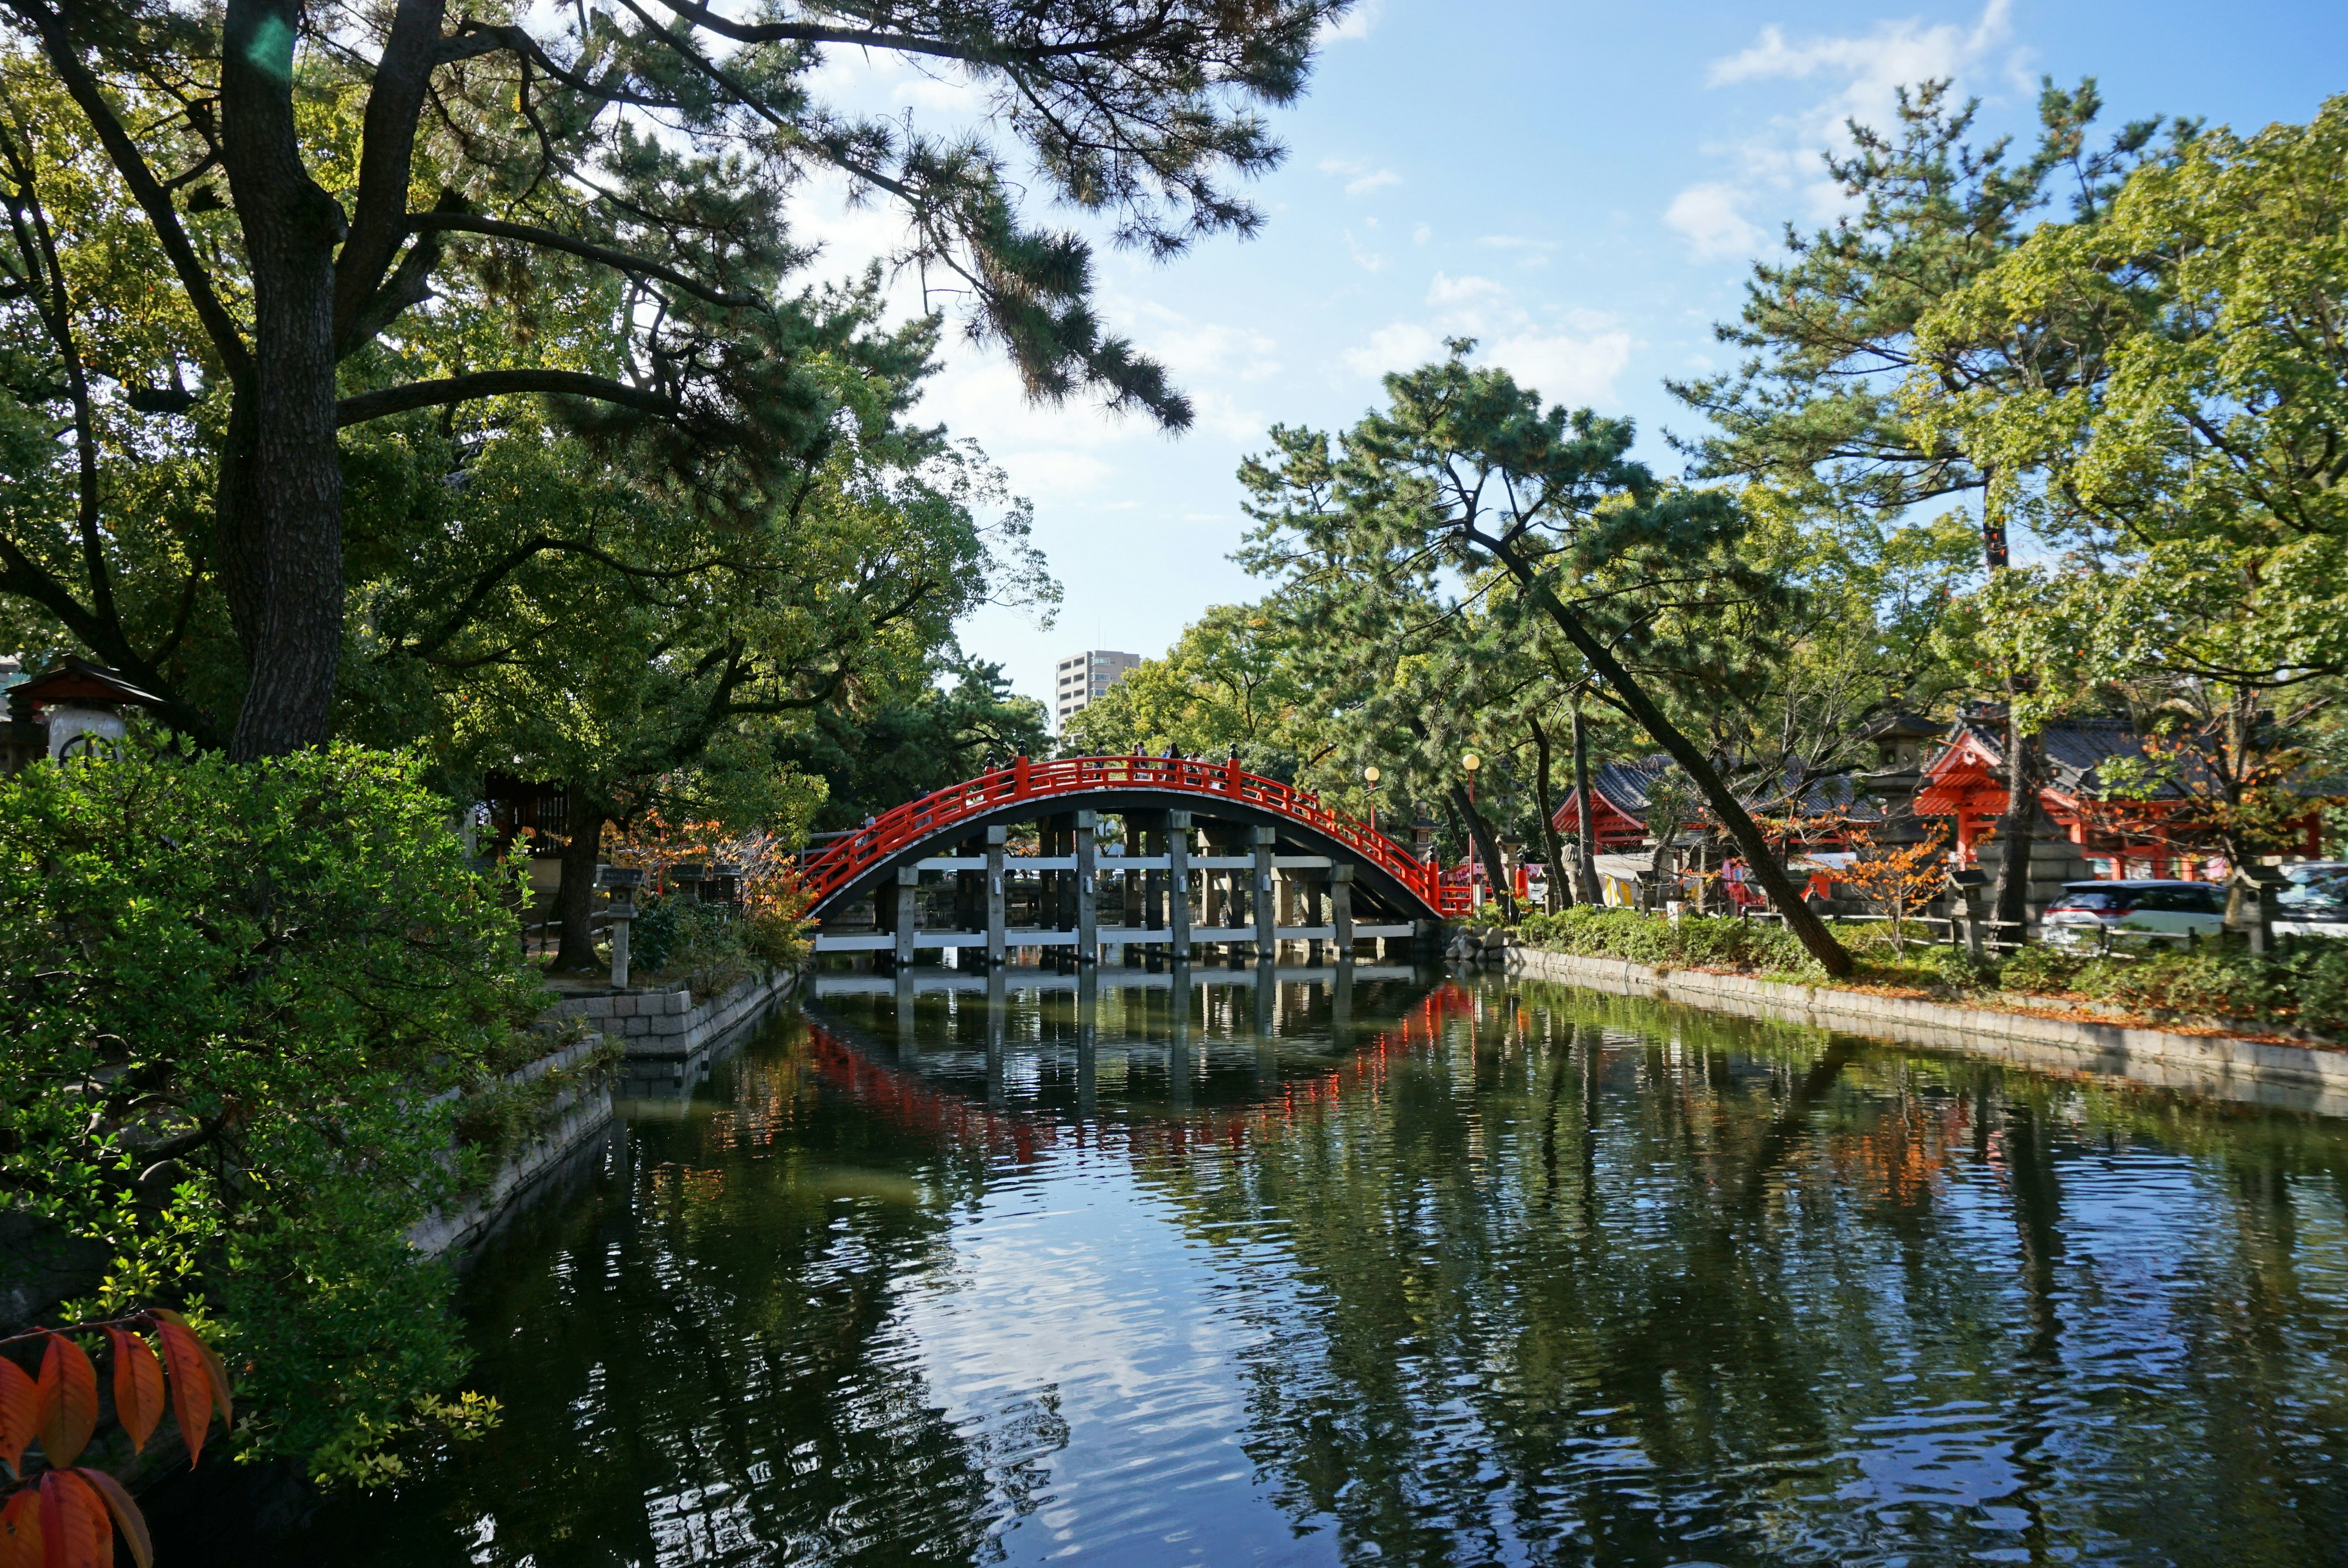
x=1081, y=677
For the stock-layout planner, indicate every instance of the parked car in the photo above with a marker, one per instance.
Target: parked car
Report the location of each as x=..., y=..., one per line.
x=2313, y=901
x=2183, y=913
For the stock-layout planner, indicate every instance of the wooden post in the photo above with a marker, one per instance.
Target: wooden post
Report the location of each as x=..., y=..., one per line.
x=1088, y=848
x=1341, y=910
x=1130, y=884
x=909, y=914
x=1178, y=896
x=997, y=921
x=1266, y=905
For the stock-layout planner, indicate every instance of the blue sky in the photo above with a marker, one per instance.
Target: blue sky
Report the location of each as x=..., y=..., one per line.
x=1581, y=187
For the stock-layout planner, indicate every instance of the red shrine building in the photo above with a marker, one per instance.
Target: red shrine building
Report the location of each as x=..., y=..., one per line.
x=1966, y=781
x=1962, y=780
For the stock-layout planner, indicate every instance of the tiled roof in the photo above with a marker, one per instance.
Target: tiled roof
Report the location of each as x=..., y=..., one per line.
x=1625, y=785
x=2074, y=749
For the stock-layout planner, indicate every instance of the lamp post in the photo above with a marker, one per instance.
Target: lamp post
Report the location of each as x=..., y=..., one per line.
x=1370, y=777
x=1471, y=762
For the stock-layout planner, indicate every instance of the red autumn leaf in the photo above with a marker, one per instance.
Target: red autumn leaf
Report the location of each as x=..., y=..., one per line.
x=190, y=1384
x=137, y=1387
x=75, y=1530
x=126, y=1514
x=68, y=1395
x=20, y=1414
x=20, y=1529
x=216, y=1374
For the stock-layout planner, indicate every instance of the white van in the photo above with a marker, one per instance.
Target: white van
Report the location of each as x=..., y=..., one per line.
x=2182, y=913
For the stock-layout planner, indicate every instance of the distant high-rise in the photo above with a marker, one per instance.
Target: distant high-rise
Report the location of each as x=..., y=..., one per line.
x=1081, y=677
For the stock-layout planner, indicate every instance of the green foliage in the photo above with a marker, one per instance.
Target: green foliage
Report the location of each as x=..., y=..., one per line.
x=2304, y=985
x=2188, y=465
x=1232, y=685
x=244, y=1003
x=704, y=948
x=1692, y=941
x=912, y=727
x=2301, y=985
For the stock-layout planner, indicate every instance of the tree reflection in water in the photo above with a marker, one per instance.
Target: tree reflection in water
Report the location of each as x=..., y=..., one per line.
x=1484, y=1273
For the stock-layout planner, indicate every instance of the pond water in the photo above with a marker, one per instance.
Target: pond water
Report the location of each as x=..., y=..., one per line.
x=1421, y=1270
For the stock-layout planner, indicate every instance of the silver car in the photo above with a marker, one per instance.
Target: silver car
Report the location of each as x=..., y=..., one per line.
x=2314, y=900
x=2181, y=914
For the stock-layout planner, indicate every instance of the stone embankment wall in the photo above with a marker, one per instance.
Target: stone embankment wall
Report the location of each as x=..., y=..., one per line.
x=578, y=1114
x=2258, y=1072
x=669, y=1023
x=659, y=1030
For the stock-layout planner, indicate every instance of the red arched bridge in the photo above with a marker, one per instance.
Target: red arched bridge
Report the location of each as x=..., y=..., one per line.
x=1212, y=855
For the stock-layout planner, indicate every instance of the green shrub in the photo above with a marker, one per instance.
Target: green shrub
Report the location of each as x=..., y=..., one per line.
x=1691, y=942
x=2303, y=984
x=243, y=1004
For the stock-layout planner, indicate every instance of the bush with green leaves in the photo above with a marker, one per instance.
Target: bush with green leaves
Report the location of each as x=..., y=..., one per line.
x=1691, y=942
x=703, y=944
x=2303, y=984
x=244, y=1004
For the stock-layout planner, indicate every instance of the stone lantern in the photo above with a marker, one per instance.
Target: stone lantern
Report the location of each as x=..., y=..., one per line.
x=622, y=882
x=75, y=710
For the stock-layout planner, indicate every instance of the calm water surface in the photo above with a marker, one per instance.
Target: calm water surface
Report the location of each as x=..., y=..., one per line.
x=1424, y=1271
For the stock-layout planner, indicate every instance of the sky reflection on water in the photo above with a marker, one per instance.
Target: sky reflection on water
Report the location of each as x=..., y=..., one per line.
x=1421, y=1271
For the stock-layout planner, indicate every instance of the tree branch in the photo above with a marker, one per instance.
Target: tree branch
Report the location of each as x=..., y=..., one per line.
x=619, y=260
x=227, y=341
x=360, y=407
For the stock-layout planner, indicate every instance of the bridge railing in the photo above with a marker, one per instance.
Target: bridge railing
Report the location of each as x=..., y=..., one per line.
x=841, y=862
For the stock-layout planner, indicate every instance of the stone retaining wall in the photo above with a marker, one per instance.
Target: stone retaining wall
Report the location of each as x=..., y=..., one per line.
x=657, y=1025
x=667, y=1023
x=575, y=1116
x=2293, y=1076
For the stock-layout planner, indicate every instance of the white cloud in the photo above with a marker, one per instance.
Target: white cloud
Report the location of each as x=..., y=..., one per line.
x=1367, y=260
x=1469, y=291
x=1895, y=53
x=1363, y=178
x=1421, y=235
x=1355, y=23
x=1864, y=73
x=1568, y=355
x=1397, y=347
x=1564, y=368
x=1711, y=218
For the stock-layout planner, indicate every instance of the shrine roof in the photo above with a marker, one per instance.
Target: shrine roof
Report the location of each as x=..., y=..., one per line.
x=76, y=680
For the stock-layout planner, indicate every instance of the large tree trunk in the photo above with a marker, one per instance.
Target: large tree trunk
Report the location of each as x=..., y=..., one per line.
x=1586, y=851
x=574, y=901
x=1487, y=850
x=280, y=500
x=1554, y=895
x=1806, y=925
x=2011, y=900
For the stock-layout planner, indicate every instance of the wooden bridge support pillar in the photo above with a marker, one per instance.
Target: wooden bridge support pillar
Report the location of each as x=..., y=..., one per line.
x=907, y=918
x=1341, y=915
x=1263, y=904
x=1177, y=899
x=997, y=919
x=1087, y=888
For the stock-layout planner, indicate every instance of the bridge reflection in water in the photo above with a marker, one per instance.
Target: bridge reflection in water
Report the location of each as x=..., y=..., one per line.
x=1187, y=1037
